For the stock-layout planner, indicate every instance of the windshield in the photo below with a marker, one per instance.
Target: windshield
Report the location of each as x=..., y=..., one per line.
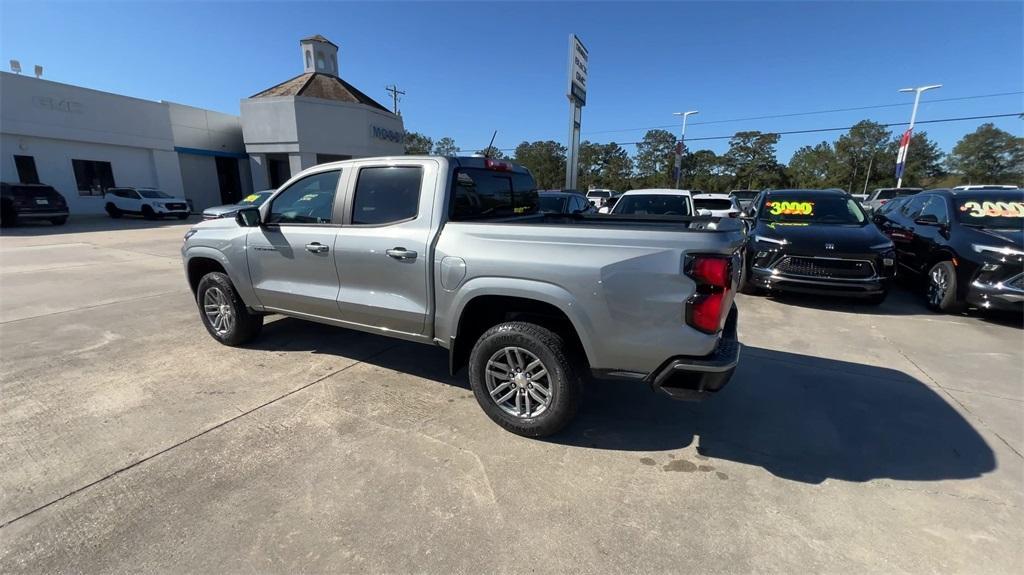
x=256, y=199
x=661, y=204
x=712, y=204
x=551, y=204
x=1003, y=211
x=812, y=209
x=154, y=194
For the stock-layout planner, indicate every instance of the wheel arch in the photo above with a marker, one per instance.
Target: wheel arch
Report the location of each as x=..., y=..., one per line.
x=544, y=304
x=201, y=260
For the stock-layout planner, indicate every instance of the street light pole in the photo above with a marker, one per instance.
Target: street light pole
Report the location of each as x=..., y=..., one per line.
x=679, y=146
x=901, y=156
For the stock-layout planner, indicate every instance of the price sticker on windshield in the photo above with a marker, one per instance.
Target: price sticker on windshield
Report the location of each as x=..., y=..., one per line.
x=251, y=198
x=993, y=209
x=790, y=208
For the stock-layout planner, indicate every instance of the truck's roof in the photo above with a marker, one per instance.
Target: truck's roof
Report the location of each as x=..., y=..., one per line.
x=657, y=192
x=481, y=162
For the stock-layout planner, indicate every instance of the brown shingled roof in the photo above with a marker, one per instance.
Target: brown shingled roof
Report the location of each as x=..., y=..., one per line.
x=323, y=86
x=319, y=38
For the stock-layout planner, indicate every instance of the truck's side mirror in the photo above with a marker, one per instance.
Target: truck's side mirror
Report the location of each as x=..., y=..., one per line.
x=248, y=217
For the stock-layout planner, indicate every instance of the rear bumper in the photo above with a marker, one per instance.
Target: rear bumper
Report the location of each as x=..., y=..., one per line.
x=42, y=215
x=767, y=279
x=697, y=378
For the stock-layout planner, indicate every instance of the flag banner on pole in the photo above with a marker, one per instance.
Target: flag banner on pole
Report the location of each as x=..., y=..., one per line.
x=901, y=156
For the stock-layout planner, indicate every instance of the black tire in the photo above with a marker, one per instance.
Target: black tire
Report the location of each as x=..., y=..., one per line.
x=564, y=376
x=942, y=297
x=148, y=213
x=59, y=221
x=8, y=215
x=246, y=325
x=113, y=211
x=182, y=216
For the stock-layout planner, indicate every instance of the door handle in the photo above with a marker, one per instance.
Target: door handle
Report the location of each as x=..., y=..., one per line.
x=402, y=254
x=317, y=248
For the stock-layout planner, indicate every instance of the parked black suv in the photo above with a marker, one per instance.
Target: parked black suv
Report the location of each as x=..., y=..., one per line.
x=815, y=241
x=20, y=202
x=968, y=244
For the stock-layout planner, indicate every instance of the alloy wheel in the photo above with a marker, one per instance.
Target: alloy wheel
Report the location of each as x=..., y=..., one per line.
x=938, y=285
x=518, y=382
x=218, y=310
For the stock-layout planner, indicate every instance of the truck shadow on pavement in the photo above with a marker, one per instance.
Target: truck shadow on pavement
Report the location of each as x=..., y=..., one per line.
x=801, y=418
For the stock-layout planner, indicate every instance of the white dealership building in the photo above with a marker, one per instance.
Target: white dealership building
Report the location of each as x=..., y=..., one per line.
x=83, y=141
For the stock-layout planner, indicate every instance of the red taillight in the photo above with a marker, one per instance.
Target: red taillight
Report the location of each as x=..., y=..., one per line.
x=881, y=202
x=711, y=271
x=706, y=310
x=497, y=165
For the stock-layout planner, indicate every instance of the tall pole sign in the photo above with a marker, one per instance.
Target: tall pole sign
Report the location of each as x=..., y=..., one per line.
x=577, y=93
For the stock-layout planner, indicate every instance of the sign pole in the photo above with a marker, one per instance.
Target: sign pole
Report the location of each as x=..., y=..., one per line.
x=577, y=93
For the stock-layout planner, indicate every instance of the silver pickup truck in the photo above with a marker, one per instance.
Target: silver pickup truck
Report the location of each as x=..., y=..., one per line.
x=455, y=252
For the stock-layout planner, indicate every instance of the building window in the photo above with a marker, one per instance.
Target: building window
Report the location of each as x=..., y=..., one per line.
x=27, y=173
x=319, y=61
x=334, y=63
x=309, y=59
x=93, y=178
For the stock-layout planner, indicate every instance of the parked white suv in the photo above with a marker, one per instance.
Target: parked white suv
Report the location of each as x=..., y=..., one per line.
x=720, y=205
x=148, y=202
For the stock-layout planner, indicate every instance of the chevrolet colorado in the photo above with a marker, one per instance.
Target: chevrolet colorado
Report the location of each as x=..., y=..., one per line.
x=455, y=252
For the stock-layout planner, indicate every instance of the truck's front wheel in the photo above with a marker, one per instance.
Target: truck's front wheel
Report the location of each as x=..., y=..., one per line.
x=525, y=378
x=224, y=313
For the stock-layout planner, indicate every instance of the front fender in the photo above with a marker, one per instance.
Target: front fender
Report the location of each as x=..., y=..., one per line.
x=527, y=289
x=234, y=264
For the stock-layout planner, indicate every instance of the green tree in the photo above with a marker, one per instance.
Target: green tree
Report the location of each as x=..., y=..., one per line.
x=863, y=154
x=446, y=147
x=705, y=170
x=417, y=143
x=751, y=159
x=988, y=156
x=924, y=166
x=604, y=166
x=491, y=152
x=811, y=166
x=655, y=159
x=545, y=160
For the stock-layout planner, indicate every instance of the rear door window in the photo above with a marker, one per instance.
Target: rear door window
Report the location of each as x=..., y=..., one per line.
x=488, y=194
x=387, y=195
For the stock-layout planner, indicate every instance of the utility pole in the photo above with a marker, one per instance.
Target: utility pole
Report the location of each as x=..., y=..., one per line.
x=901, y=156
x=679, y=147
x=395, y=93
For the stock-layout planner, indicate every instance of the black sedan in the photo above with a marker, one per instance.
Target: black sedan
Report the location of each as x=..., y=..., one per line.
x=565, y=202
x=818, y=242
x=967, y=244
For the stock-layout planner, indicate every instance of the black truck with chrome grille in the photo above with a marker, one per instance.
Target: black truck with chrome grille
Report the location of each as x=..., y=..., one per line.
x=818, y=242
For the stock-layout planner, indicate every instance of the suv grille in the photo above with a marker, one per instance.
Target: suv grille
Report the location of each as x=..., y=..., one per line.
x=826, y=268
x=175, y=206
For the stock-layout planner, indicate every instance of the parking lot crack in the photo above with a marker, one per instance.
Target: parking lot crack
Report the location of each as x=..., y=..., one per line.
x=188, y=440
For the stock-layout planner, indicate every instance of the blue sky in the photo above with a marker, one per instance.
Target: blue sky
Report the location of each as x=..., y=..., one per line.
x=469, y=69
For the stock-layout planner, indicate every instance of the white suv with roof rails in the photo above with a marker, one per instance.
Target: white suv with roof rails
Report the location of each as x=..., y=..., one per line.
x=150, y=203
x=720, y=205
x=983, y=187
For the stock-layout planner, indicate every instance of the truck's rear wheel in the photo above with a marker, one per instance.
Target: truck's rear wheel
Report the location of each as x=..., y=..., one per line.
x=224, y=313
x=525, y=378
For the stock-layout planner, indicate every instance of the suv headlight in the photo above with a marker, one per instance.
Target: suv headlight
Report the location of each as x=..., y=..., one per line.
x=997, y=250
x=190, y=233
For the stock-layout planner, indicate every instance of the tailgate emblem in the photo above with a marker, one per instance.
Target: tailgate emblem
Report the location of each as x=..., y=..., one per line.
x=830, y=246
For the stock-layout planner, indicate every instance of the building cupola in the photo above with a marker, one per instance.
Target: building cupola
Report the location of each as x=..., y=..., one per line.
x=319, y=55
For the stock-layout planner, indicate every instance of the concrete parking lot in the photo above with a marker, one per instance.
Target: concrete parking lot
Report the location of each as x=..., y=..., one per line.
x=852, y=438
